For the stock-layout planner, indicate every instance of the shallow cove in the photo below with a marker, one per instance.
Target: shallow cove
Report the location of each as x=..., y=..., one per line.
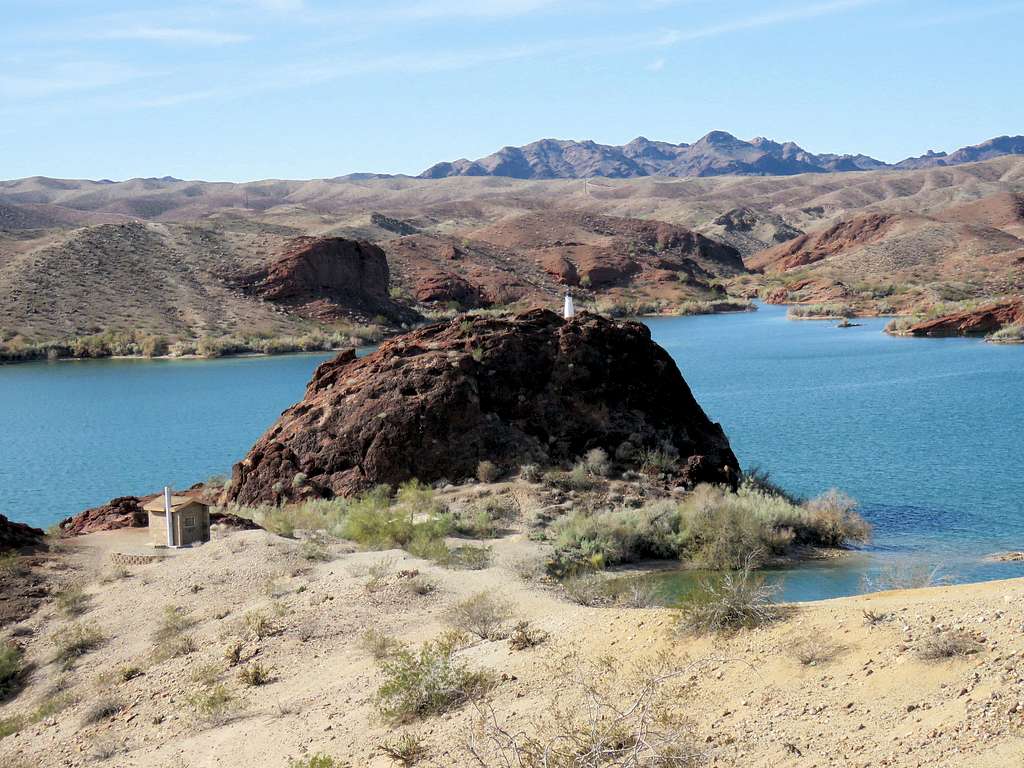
x=926, y=433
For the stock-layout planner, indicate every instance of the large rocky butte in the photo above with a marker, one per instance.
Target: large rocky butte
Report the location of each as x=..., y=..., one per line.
x=433, y=403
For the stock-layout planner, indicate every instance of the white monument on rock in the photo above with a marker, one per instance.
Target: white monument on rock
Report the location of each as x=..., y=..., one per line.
x=569, y=311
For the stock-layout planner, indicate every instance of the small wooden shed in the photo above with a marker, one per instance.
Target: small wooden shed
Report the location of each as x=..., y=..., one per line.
x=190, y=521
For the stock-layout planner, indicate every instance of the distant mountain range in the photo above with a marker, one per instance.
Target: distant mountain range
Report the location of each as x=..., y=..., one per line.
x=716, y=154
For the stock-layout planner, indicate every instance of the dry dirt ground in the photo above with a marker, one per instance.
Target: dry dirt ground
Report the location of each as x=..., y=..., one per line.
x=867, y=699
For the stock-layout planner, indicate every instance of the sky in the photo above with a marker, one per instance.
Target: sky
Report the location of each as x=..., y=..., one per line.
x=235, y=90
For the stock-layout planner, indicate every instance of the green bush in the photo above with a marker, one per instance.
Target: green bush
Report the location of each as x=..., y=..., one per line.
x=1008, y=333
x=430, y=682
x=318, y=760
x=482, y=614
x=12, y=669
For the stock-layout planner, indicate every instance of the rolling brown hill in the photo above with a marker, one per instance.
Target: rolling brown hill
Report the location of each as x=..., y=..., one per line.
x=167, y=256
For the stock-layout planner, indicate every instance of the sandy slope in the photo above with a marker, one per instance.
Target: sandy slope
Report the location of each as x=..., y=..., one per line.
x=751, y=702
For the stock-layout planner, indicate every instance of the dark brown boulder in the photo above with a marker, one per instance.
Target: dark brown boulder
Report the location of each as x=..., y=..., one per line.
x=122, y=512
x=433, y=403
x=330, y=278
x=18, y=536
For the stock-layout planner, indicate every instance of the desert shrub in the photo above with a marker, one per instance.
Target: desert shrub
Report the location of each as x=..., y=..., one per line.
x=233, y=653
x=420, y=585
x=833, y=521
x=596, y=462
x=576, y=479
x=523, y=636
x=72, y=601
x=407, y=749
x=658, y=462
x=470, y=558
x=12, y=669
x=214, y=704
x=314, y=549
x=529, y=568
x=429, y=682
x=602, y=716
x=874, y=618
x=483, y=518
x=901, y=324
x=259, y=625
x=531, y=473
x=318, y=760
x=104, y=708
x=379, y=644
x=376, y=523
x=757, y=479
x=815, y=651
x=169, y=638
x=587, y=589
x=1008, y=333
x=912, y=575
x=10, y=726
x=820, y=310
x=255, y=675
x=154, y=346
x=486, y=472
x=948, y=645
x=12, y=565
x=728, y=603
x=76, y=640
x=636, y=593
x=129, y=672
x=482, y=614
x=206, y=674
x=379, y=573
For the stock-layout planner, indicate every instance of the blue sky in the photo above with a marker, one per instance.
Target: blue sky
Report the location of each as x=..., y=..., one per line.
x=250, y=89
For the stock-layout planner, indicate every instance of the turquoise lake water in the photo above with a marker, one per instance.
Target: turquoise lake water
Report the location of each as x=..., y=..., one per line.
x=927, y=434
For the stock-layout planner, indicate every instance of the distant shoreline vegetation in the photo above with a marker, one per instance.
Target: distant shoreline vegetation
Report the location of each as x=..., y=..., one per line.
x=16, y=349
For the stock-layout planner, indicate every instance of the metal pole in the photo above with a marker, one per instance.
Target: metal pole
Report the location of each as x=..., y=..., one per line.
x=169, y=513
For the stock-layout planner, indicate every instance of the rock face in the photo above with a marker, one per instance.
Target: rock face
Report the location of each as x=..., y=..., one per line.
x=816, y=246
x=328, y=279
x=18, y=536
x=122, y=512
x=973, y=322
x=433, y=403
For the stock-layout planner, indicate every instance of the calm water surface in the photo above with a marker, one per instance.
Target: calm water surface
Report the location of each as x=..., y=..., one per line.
x=927, y=434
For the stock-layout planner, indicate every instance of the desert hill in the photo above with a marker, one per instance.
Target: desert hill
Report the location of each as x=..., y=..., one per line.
x=169, y=256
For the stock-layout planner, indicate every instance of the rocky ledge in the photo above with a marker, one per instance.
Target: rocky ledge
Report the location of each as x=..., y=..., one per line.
x=18, y=536
x=971, y=322
x=529, y=388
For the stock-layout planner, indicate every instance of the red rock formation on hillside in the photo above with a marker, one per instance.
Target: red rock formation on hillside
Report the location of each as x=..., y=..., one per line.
x=433, y=403
x=807, y=291
x=816, y=246
x=972, y=322
x=18, y=536
x=330, y=279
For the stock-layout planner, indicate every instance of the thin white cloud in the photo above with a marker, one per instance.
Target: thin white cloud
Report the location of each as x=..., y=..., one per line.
x=65, y=77
x=797, y=13
x=656, y=66
x=186, y=35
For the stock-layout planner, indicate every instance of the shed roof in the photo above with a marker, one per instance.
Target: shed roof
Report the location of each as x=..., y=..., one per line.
x=177, y=502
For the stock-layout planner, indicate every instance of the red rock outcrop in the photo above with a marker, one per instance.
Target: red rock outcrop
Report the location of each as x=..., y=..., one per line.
x=816, y=246
x=972, y=322
x=329, y=279
x=433, y=403
x=807, y=291
x=18, y=536
x=122, y=512
x=127, y=512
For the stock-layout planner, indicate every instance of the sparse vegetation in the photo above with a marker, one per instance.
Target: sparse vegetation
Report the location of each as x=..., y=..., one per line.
x=72, y=601
x=728, y=603
x=523, y=636
x=407, y=749
x=819, y=311
x=948, y=645
x=596, y=462
x=214, y=704
x=713, y=527
x=255, y=675
x=1008, y=334
x=482, y=614
x=469, y=558
x=486, y=472
x=379, y=644
x=531, y=473
x=429, y=682
x=102, y=709
x=170, y=638
x=318, y=760
x=815, y=650
x=76, y=640
x=12, y=669
x=259, y=625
